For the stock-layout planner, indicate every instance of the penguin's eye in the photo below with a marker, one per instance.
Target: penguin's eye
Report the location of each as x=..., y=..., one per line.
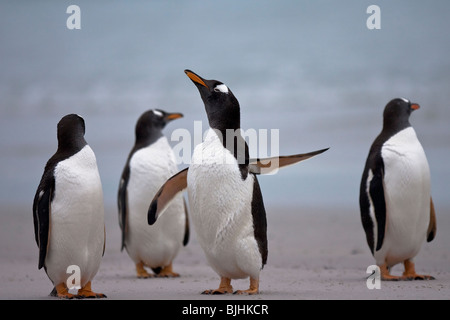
x=221, y=88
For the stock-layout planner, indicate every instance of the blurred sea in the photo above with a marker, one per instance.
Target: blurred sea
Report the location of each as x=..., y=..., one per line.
x=311, y=69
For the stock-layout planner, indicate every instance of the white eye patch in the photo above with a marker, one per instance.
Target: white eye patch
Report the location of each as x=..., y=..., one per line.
x=406, y=100
x=221, y=88
x=158, y=113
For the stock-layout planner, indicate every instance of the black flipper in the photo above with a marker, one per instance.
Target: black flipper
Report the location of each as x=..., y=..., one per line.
x=431, y=233
x=122, y=203
x=372, y=199
x=186, y=228
x=259, y=221
x=41, y=214
x=379, y=204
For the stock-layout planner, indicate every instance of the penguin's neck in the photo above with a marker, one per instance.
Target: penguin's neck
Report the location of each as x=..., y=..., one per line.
x=146, y=138
x=225, y=123
x=392, y=126
x=227, y=127
x=71, y=145
x=233, y=141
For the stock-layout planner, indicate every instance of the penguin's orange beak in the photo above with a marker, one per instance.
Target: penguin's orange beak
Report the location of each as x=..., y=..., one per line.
x=195, y=78
x=173, y=116
x=414, y=106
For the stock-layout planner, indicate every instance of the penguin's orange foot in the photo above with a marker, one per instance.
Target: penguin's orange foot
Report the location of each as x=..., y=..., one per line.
x=167, y=272
x=416, y=276
x=248, y=291
x=65, y=295
x=61, y=292
x=144, y=275
x=141, y=273
x=386, y=276
x=87, y=293
x=410, y=272
x=218, y=291
x=224, y=287
x=90, y=295
x=390, y=278
x=254, y=288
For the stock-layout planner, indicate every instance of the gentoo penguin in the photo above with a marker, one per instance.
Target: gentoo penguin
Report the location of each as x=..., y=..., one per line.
x=226, y=204
x=150, y=163
x=397, y=210
x=68, y=213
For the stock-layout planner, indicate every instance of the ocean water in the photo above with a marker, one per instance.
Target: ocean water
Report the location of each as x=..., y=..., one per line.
x=311, y=70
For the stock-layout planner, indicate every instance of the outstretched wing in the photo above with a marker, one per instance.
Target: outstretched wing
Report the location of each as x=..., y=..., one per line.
x=165, y=195
x=271, y=165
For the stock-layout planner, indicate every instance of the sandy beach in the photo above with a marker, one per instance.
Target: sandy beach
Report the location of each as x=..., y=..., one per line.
x=314, y=253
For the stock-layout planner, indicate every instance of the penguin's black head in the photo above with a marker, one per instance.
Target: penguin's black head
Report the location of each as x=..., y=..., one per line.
x=396, y=113
x=151, y=123
x=221, y=105
x=70, y=130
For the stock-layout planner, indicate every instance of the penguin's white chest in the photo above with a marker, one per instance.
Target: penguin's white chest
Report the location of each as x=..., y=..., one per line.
x=407, y=194
x=221, y=210
x=76, y=218
x=155, y=245
x=150, y=167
